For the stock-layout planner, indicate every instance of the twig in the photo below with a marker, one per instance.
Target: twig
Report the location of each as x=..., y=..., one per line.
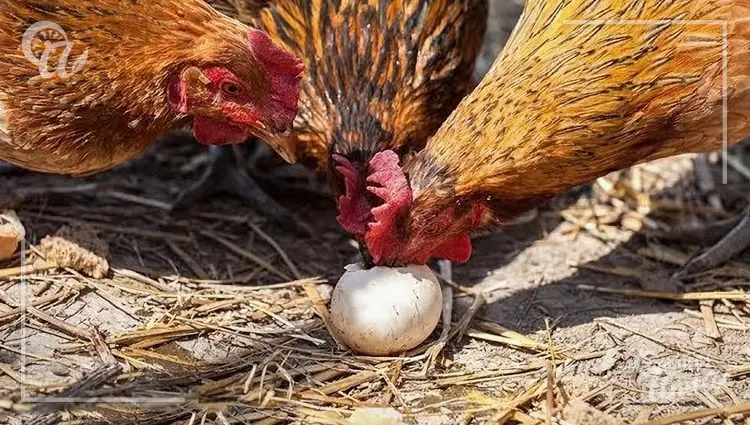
x=720, y=322
x=140, y=200
x=550, y=399
x=255, y=228
x=311, y=290
x=738, y=371
x=22, y=270
x=23, y=379
x=57, y=190
x=142, y=279
x=102, y=349
x=244, y=253
x=59, y=324
x=154, y=234
x=675, y=348
x=36, y=303
x=463, y=323
x=734, y=409
x=187, y=260
x=349, y=382
x=393, y=389
x=394, y=378
x=93, y=380
x=664, y=254
x=690, y=296
x=611, y=270
x=707, y=311
x=509, y=341
x=434, y=351
x=284, y=256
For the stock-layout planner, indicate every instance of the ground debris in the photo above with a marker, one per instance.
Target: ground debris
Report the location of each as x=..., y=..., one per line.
x=579, y=412
x=376, y=416
x=77, y=247
x=208, y=320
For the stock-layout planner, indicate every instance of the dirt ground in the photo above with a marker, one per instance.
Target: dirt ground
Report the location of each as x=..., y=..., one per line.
x=209, y=316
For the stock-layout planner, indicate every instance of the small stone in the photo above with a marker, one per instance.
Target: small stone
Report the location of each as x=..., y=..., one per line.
x=608, y=362
x=59, y=369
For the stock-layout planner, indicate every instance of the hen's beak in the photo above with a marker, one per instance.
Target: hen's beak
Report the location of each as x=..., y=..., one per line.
x=286, y=147
x=366, y=256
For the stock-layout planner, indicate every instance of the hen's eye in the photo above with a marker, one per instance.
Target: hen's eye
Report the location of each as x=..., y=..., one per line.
x=230, y=89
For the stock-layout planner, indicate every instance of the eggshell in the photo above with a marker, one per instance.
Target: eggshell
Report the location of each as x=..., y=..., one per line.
x=384, y=310
x=12, y=233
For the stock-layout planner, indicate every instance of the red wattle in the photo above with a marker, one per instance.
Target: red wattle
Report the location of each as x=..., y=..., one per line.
x=457, y=249
x=354, y=210
x=211, y=132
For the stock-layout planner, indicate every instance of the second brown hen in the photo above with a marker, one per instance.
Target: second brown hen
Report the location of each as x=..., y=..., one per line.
x=583, y=88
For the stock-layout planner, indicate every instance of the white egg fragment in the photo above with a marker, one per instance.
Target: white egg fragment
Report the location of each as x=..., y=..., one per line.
x=385, y=310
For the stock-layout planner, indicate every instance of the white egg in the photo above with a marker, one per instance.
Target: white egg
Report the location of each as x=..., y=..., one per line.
x=385, y=310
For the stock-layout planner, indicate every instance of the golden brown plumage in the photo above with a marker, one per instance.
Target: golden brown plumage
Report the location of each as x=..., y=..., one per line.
x=583, y=88
x=380, y=74
x=150, y=67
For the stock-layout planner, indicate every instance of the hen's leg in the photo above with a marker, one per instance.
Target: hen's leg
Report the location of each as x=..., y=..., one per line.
x=226, y=174
x=446, y=272
x=449, y=331
x=733, y=237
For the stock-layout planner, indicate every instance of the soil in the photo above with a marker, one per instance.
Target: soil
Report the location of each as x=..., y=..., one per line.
x=615, y=358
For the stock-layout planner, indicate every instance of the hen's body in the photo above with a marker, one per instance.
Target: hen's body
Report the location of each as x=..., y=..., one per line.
x=381, y=74
x=113, y=107
x=583, y=88
x=570, y=101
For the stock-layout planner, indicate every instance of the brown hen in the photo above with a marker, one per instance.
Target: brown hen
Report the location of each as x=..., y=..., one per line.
x=380, y=74
x=583, y=88
x=105, y=78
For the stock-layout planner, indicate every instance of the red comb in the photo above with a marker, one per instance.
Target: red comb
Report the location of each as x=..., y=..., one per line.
x=392, y=187
x=264, y=49
x=283, y=73
x=354, y=210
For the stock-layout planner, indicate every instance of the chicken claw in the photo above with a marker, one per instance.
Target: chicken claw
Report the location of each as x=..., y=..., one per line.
x=732, y=243
x=446, y=274
x=449, y=331
x=225, y=175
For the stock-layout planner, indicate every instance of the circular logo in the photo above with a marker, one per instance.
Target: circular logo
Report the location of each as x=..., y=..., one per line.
x=44, y=39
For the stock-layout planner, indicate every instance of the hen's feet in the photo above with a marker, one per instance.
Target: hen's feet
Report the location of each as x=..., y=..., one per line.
x=730, y=237
x=450, y=331
x=226, y=175
x=446, y=273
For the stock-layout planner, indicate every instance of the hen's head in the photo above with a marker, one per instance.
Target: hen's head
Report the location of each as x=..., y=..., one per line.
x=232, y=99
x=379, y=209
